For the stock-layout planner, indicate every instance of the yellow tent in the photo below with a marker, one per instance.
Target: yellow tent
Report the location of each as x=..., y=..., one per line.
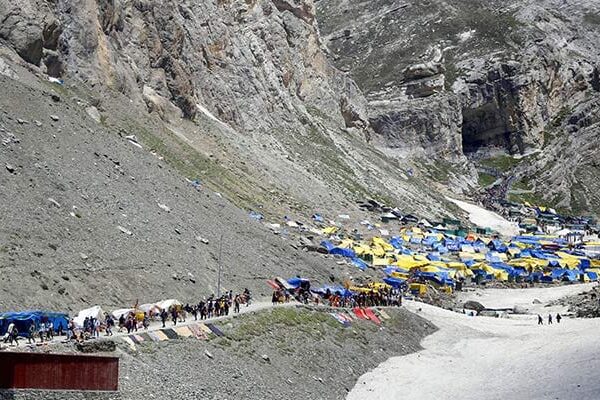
x=346, y=244
x=418, y=287
x=382, y=261
x=430, y=268
x=330, y=230
x=570, y=260
x=407, y=262
x=377, y=241
x=401, y=275
x=362, y=249
x=379, y=285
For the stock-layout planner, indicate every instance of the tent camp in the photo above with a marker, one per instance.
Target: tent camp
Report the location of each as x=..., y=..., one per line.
x=93, y=312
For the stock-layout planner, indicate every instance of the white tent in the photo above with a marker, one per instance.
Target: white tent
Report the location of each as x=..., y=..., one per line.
x=563, y=232
x=425, y=223
x=122, y=311
x=93, y=312
x=150, y=309
x=165, y=304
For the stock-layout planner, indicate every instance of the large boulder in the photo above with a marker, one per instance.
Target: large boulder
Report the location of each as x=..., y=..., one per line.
x=23, y=34
x=474, y=305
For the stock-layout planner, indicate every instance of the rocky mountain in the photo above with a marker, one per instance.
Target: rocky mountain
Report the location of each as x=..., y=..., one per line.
x=253, y=77
x=135, y=131
x=448, y=79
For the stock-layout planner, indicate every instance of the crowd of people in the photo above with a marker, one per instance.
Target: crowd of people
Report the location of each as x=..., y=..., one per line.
x=131, y=321
x=383, y=297
x=45, y=330
x=206, y=308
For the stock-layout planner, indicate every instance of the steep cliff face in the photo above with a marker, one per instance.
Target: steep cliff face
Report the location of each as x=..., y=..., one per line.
x=230, y=56
x=512, y=65
x=507, y=68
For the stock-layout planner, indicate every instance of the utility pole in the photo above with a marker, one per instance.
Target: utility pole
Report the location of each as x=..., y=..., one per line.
x=220, y=267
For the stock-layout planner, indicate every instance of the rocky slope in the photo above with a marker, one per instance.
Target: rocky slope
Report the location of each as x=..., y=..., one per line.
x=89, y=217
x=243, y=98
x=453, y=78
x=97, y=199
x=252, y=77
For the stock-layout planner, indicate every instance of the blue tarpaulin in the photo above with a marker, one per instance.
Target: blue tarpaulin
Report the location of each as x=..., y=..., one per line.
x=337, y=251
x=396, y=242
x=296, y=282
x=333, y=290
x=318, y=218
x=359, y=263
x=24, y=319
x=394, y=282
x=327, y=245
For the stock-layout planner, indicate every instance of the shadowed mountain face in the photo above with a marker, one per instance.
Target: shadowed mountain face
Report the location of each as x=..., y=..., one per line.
x=453, y=78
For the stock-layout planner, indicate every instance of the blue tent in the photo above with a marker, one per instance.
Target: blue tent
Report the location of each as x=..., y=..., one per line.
x=592, y=275
x=498, y=246
x=563, y=274
x=396, y=242
x=338, y=251
x=415, y=240
x=440, y=248
x=296, y=282
x=430, y=241
x=433, y=257
x=535, y=276
x=406, y=251
x=441, y=278
x=359, y=263
x=24, y=319
x=479, y=245
x=394, y=282
x=452, y=245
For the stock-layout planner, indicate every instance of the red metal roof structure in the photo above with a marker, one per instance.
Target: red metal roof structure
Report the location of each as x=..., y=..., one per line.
x=58, y=372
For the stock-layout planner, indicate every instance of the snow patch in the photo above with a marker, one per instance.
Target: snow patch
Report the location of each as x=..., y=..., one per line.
x=466, y=35
x=474, y=358
x=487, y=219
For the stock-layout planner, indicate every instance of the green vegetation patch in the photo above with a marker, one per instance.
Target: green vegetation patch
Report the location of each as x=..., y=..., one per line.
x=560, y=117
x=502, y=163
x=486, y=179
x=239, y=188
x=313, y=324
